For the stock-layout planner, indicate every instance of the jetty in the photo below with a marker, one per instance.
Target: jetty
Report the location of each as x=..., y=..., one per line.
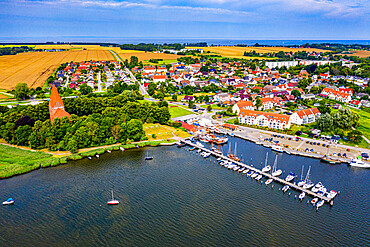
x=266, y=175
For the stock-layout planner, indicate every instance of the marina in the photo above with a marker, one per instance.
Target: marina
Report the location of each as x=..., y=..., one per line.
x=256, y=172
x=179, y=197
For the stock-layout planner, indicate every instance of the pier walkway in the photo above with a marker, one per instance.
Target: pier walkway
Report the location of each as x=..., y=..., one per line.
x=267, y=175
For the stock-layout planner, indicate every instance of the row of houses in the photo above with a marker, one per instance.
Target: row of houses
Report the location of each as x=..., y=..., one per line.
x=277, y=121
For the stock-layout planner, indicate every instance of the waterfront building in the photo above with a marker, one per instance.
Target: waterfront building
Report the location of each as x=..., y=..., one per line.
x=265, y=119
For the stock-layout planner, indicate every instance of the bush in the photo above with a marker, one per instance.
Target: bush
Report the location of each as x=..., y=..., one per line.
x=154, y=136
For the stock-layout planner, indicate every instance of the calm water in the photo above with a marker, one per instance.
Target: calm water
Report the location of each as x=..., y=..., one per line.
x=180, y=199
x=209, y=41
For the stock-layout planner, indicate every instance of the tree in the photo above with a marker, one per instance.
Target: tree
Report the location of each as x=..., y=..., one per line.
x=355, y=136
x=21, y=91
x=209, y=108
x=204, y=69
x=258, y=102
x=21, y=135
x=304, y=83
x=85, y=89
x=174, y=97
x=151, y=88
x=191, y=104
x=134, y=129
x=296, y=93
x=325, y=122
x=72, y=145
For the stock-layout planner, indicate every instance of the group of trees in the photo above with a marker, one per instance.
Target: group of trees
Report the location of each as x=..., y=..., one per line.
x=342, y=120
x=93, y=122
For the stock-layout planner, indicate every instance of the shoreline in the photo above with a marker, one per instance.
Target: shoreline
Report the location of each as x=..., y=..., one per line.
x=85, y=154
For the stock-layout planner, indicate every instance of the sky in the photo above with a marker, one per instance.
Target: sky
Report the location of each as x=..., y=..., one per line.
x=227, y=19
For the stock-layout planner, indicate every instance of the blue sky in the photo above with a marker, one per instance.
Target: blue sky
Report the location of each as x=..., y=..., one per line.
x=235, y=19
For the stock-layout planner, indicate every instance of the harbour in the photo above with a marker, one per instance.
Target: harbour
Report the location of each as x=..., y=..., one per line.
x=180, y=198
x=266, y=175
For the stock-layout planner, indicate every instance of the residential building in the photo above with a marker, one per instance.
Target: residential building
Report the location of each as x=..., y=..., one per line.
x=305, y=116
x=265, y=119
x=243, y=105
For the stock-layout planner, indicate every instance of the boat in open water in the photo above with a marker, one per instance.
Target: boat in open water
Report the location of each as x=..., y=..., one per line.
x=113, y=201
x=9, y=201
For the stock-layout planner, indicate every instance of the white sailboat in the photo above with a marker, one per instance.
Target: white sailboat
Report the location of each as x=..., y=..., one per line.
x=301, y=181
x=276, y=172
x=113, y=201
x=266, y=168
x=308, y=184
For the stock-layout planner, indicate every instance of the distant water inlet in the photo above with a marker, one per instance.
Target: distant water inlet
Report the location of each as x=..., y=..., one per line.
x=180, y=198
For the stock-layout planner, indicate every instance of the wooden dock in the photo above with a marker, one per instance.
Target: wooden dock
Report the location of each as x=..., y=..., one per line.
x=267, y=175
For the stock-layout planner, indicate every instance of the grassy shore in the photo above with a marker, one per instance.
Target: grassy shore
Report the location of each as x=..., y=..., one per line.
x=15, y=161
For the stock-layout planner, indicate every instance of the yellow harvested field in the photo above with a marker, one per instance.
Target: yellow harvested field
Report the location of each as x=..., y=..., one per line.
x=142, y=56
x=235, y=51
x=359, y=53
x=34, y=68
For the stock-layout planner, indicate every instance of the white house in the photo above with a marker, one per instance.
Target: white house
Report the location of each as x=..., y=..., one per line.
x=243, y=105
x=305, y=116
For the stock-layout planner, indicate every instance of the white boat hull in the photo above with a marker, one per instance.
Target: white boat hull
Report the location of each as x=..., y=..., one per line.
x=277, y=173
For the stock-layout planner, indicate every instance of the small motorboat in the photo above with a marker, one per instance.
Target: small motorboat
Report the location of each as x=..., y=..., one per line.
x=332, y=194
x=254, y=175
x=137, y=146
x=199, y=144
x=308, y=185
x=290, y=177
x=97, y=156
x=89, y=158
x=236, y=168
x=245, y=171
x=241, y=169
x=268, y=181
x=314, y=201
x=277, y=149
x=250, y=173
x=206, y=155
x=301, y=183
x=219, y=159
x=9, y=201
x=192, y=148
x=148, y=158
x=359, y=163
x=109, y=151
x=319, y=204
x=122, y=149
x=317, y=187
x=285, y=188
x=199, y=150
x=301, y=196
x=113, y=201
x=259, y=177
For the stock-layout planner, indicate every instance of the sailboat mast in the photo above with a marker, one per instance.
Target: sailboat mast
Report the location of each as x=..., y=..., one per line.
x=267, y=154
x=302, y=172
x=112, y=196
x=235, y=150
x=308, y=174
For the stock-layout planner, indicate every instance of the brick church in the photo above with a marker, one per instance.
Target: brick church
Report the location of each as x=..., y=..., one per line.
x=56, y=106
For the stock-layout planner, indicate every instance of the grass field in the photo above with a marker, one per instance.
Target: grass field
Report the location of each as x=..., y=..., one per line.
x=178, y=112
x=34, y=68
x=14, y=161
x=237, y=52
x=164, y=62
x=163, y=132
